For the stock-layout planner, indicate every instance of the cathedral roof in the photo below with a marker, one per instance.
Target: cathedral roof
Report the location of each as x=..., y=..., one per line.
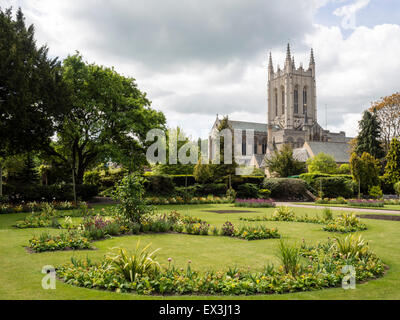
x=338, y=150
x=241, y=125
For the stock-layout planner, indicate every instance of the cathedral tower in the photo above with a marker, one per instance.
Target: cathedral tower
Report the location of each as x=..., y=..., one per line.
x=292, y=94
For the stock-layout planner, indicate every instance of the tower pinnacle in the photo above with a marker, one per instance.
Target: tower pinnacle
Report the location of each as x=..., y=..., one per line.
x=288, y=55
x=312, y=61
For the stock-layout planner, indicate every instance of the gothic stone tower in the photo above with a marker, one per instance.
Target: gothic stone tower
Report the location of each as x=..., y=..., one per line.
x=292, y=103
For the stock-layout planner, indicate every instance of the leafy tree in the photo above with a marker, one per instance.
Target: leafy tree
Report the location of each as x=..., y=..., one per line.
x=179, y=168
x=224, y=170
x=283, y=162
x=344, y=169
x=109, y=119
x=203, y=173
x=32, y=94
x=368, y=139
x=129, y=193
x=392, y=169
x=387, y=111
x=323, y=163
x=365, y=171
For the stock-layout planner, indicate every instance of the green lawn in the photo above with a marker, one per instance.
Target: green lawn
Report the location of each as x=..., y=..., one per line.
x=21, y=272
x=386, y=207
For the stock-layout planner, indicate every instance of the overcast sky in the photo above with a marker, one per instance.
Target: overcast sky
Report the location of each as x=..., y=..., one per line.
x=199, y=58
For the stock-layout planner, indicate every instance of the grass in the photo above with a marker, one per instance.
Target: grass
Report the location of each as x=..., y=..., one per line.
x=386, y=207
x=21, y=272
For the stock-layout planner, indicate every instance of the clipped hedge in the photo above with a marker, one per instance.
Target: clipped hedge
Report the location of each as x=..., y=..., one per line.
x=310, y=178
x=334, y=187
x=248, y=191
x=286, y=188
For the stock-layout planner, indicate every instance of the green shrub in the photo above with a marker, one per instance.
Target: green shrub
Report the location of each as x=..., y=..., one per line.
x=247, y=191
x=92, y=178
x=256, y=233
x=63, y=192
x=376, y=192
x=159, y=185
x=291, y=189
x=334, y=186
x=289, y=257
x=327, y=214
x=130, y=194
x=264, y=194
x=284, y=214
x=140, y=263
x=397, y=188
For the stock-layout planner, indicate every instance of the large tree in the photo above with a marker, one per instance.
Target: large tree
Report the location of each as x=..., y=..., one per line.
x=283, y=162
x=32, y=93
x=388, y=114
x=365, y=170
x=392, y=169
x=368, y=139
x=322, y=163
x=109, y=119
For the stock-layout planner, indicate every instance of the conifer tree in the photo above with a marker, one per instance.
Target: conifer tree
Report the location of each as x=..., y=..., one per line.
x=368, y=139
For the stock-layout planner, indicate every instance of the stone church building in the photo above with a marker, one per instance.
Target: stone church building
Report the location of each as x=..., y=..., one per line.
x=292, y=119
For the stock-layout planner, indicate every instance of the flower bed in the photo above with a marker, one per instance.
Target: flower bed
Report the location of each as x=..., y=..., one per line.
x=192, y=200
x=346, y=223
x=366, y=203
x=255, y=203
x=35, y=206
x=321, y=268
x=256, y=233
x=64, y=241
x=357, y=202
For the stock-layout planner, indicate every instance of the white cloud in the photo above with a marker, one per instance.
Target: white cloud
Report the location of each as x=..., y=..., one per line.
x=195, y=61
x=352, y=72
x=348, y=12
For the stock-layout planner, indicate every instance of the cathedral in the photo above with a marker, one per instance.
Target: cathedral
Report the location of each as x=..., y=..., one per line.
x=292, y=119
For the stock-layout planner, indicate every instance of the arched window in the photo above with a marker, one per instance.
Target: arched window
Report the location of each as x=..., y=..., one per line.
x=296, y=100
x=283, y=100
x=305, y=98
x=255, y=146
x=264, y=146
x=244, y=146
x=276, y=102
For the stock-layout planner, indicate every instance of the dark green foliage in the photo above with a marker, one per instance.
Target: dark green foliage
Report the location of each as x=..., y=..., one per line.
x=283, y=163
x=365, y=170
x=392, y=170
x=130, y=195
x=49, y=193
x=183, y=180
x=32, y=93
x=311, y=177
x=247, y=191
x=286, y=188
x=239, y=180
x=212, y=188
x=368, y=139
x=334, y=187
x=159, y=185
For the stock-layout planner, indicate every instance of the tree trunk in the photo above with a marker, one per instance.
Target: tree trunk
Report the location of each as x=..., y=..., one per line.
x=73, y=186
